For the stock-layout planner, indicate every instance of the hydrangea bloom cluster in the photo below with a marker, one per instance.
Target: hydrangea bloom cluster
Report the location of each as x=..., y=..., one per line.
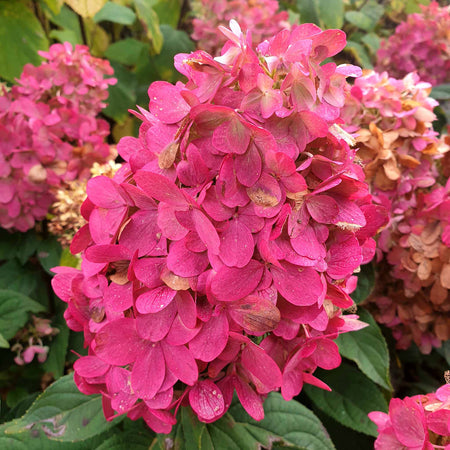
x=399, y=150
x=418, y=422
x=221, y=254
x=421, y=44
x=261, y=17
x=29, y=341
x=49, y=131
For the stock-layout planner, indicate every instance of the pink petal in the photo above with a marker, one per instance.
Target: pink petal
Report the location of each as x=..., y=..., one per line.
x=206, y=231
x=187, y=308
x=231, y=136
x=90, y=367
x=299, y=286
x=118, y=297
x=212, y=339
x=166, y=102
x=206, y=400
x=155, y=326
x=148, y=371
x=103, y=192
x=250, y=400
x=148, y=270
x=227, y=285
x=248, y=166
x=408, y=421
x=185, y=263
x=160, y=188
x=117, y=342
x=181, y=363
x=323, y=209
x=237, y=246
x=155, y=300
x=180, y=334
x=344, y=257
x=119, y=388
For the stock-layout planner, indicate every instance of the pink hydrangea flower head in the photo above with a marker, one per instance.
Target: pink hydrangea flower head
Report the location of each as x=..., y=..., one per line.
x=50, y=132
x=260, y=17
x=420, y=44
x=220, y=257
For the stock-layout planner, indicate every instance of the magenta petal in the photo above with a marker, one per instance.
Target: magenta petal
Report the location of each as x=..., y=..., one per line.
x=351, y=215
x=160, y=188
x=104, y=192
x=228, y=284
x=119, y=388
x=180, y=334
x=408, y=420
x=118, y=297
x=206, y=400
x=306, y=244
x=345, y=257
x=117, y=342
x=326, y=355
x=148, y=371
x=323, y=209
x=161, y=400
x=166, y=102
x=187, y=308
x=155, y=327
x=141, y=232
x=107, y=253
x=250, y=400
x=206, y=231
x=292, y=383
x=148, y=270
x=231, y=137
x=299, y=286
x=181, y=363
x=237, y=245
x=90, y=367
x=248, y=166
x=212, y=339
x=155, y=300
x=184, y=263
x=261, y=366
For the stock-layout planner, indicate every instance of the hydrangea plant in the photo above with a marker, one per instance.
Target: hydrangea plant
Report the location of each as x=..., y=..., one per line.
x=220, y=257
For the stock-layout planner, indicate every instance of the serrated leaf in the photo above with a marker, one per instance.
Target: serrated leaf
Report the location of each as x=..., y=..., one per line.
x=86, y=8
x=14, y=311
x=150, y=21
x=366, y=283
x=368, y=349
x=113, y=12
x=21, y=35
x=287, y=424
x=63, y=413
x=127, y=51
x=352, y=397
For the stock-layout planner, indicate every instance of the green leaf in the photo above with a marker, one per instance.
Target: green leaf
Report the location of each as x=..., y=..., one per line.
x=113, y=12
x=359, y=53
x=331, y=13
x=49, y=253
x=69, y=22
x=441, y=92
x=122, y=95
x=56, y=359
x=352, y=397
x=3, y=342
x=372, y=42
x=14, y=309
x=308, y=11
x=27, y=245
x=54, y=5
x=150, y=21
x=368, y=349
x=367, y=18
x=366, y=283
x=130, y=440
x=127, y=51
x=168, y=11
x=63, y=414
x=286, y=424
x=67, y=259
x=21, y=36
